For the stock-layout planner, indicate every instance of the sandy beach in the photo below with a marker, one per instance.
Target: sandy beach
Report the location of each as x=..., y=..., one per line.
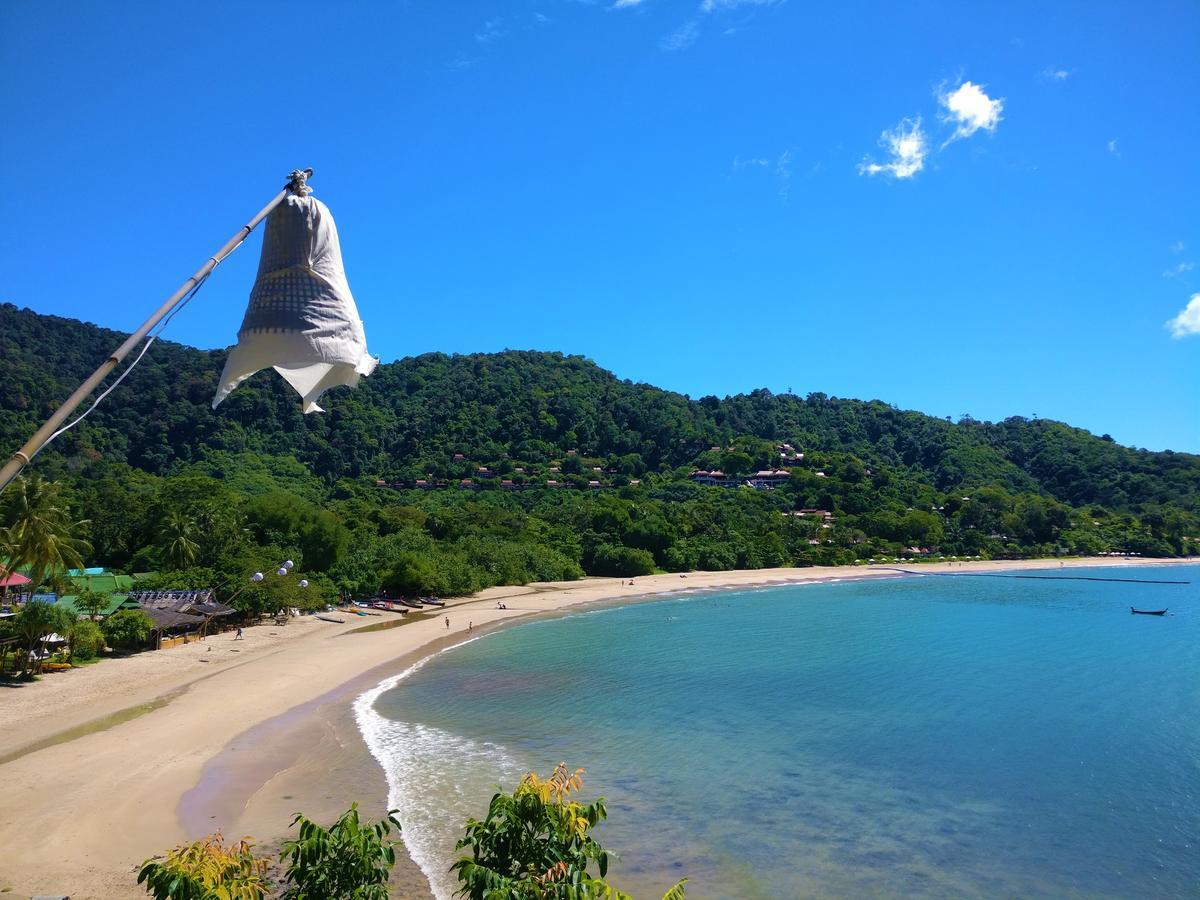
x=104, y=766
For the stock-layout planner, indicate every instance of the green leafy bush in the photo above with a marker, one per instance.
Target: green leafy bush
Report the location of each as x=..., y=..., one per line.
x=127, y=629
x=87, y=640
x=609, y=559
x=207, y=870
x=350, y=859
x=536, y=843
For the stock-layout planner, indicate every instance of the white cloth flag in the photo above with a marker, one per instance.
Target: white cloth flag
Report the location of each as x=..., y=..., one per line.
x=302, y=320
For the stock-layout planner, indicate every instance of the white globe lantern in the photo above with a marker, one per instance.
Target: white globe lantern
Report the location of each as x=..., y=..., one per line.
x=288, y=564
x=281, y=571
x=257, y=576
x=303, y=582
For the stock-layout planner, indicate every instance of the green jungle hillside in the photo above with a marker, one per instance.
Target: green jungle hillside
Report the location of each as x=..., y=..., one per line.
x=451, y=473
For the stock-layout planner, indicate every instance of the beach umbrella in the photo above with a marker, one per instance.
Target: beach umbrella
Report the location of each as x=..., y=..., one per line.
x=302, y=320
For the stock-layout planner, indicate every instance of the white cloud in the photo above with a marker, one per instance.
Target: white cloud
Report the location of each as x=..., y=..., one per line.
x=716, y=5
x=783, y=165
x=1187, y=322
x=779, y=168
x=625, y=4
x=907, y=148
x=1182, y=269
x=489, y=32
x=1050, y=73
x=969, y=109
x=689, y=32
x=681, y=38
x=783, y=171
x=1112, y=147
x=1176, y=247
x=753, y=161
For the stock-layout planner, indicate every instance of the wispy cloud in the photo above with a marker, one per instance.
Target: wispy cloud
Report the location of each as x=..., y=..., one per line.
x=779, y=168
x=783, y=165
x=1112, y=148
x=717, y=5
x=907, y=147
x=1187, y=323
x=969, y=109
x=626, y=4
x=681, y=38
x=783, y=172
x=689, y=32
x=489, y=32
x=1182, y=269
x=1176, y=247
x=1052, y=73
x=751, y=162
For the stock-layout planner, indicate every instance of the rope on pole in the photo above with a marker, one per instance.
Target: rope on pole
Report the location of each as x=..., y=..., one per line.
x=297, y=184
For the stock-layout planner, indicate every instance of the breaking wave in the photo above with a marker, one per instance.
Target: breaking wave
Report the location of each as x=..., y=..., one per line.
x=434, y=778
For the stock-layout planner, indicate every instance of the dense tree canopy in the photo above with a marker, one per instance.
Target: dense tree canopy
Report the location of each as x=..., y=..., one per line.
x=451, y=473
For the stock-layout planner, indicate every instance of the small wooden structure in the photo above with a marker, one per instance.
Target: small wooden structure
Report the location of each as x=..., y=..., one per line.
x=198, y=604
x=172, y=628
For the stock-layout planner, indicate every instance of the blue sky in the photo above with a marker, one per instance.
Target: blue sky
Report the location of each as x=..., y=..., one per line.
x=708, y=196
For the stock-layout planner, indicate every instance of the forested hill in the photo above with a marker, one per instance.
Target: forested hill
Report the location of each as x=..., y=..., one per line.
x=411, y=417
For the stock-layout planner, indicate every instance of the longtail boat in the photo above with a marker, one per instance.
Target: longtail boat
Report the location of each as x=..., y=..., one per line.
x=1148, y=612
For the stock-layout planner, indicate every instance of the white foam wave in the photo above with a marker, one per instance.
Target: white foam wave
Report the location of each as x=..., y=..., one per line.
x=435, y=779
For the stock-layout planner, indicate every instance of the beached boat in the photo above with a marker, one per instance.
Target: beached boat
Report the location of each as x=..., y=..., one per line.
x=411, y=604
x=1148, y=612
x=433, y=601
x=328, y=619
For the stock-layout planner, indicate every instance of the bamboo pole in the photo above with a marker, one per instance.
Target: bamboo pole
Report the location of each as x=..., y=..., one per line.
x=21, y=458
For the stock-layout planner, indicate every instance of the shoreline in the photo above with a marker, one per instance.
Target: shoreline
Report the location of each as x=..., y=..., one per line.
x=244, y=746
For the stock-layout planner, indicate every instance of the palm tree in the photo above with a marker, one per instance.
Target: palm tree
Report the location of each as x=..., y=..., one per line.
x=40, y=531
x=179, y=548
x=36, y=620
x=8, y=553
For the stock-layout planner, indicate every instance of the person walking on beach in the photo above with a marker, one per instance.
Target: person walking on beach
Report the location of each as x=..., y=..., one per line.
x=470, y=625
x=447, y=621
x=238, y=636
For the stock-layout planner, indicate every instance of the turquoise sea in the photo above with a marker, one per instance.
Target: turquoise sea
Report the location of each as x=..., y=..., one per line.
x=916, y=736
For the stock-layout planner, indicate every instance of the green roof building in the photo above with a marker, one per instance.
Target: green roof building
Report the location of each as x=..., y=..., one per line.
x=115, y=602
x=103, y=582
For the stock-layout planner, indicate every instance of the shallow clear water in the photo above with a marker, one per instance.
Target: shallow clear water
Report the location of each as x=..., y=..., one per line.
x=930, y=737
